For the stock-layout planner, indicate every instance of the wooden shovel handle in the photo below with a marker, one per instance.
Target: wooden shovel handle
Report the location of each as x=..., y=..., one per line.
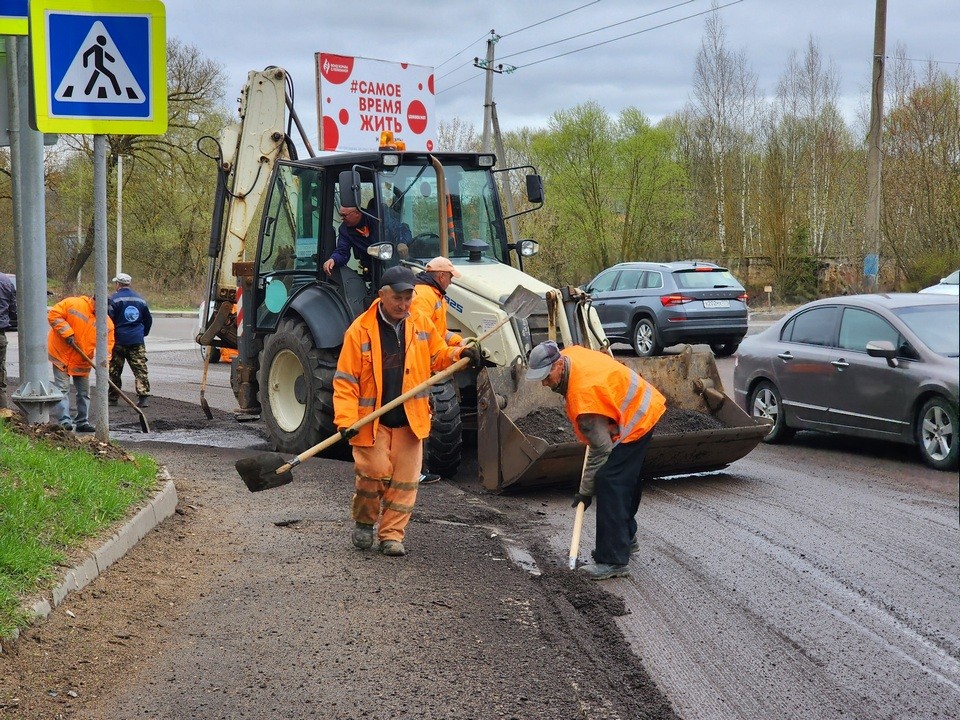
x=575, y=539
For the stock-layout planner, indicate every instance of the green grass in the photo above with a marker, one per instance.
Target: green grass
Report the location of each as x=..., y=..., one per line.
x=51, y=499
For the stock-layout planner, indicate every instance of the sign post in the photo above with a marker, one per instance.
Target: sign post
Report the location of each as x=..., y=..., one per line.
x=99, y=68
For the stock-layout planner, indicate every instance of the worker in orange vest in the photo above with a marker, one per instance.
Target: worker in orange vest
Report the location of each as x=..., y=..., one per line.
x=428, y=296
x=613, y=411
x=73, y=326
x=387, y=351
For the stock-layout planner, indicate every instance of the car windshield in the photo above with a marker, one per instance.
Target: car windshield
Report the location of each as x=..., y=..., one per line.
x=703, y=278
x=938, y=326
x=952, y=279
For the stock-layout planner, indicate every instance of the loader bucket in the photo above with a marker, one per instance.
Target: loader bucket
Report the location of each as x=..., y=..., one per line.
x=525, y=439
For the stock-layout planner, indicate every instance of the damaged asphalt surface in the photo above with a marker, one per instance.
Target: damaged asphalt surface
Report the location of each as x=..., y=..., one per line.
x=257, y=605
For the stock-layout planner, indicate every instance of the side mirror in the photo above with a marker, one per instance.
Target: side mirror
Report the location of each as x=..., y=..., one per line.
x=884, y=349
x=349, y=187
x=535, y=189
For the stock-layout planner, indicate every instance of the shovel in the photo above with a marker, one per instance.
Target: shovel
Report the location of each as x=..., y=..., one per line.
x=270, y=470
x=144, y=425
x=203, y=385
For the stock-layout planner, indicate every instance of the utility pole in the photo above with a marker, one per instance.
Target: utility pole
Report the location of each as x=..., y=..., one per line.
x=119, y=214
x=871, y=261
x=507, y=188
x=488, y=91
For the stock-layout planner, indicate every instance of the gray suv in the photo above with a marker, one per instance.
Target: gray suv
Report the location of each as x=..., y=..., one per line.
x=656, y=305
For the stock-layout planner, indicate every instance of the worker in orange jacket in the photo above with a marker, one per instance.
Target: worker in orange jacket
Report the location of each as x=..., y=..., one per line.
x=73, y=325
x=387, y=351
x=428, y=296
x=613, y=411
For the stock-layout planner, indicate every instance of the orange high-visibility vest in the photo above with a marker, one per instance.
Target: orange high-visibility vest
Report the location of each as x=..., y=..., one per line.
x=600, y=385
x=358, y=382
x=74, y=317
x=428, y=300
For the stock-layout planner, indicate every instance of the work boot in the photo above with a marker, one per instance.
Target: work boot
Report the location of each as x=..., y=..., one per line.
x=143, y=401
x=393, y=548
x=67, y=425
x=85, y=428
x=113, y=401
x=427, y=478
x=602, y=571
x=363, y=536
x=634, y=545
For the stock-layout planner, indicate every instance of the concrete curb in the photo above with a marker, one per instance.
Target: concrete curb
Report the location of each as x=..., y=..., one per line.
x=161, y=506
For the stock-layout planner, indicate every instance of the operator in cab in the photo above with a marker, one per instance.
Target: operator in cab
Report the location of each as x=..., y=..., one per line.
x=356, y=233
x=613, y=412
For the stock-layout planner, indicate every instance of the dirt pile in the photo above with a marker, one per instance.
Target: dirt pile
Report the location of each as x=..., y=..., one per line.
x=552, y=425
x=57, y=437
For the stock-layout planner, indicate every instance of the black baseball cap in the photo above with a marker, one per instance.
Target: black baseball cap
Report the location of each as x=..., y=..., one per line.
x=399, y=278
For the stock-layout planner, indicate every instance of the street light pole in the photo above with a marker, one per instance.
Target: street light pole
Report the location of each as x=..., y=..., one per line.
x=119, y=213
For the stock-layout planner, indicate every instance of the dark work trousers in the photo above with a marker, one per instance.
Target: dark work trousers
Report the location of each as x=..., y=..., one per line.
x=618, y=488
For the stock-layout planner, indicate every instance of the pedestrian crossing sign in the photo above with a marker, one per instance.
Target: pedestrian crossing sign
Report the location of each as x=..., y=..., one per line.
x=99, y=66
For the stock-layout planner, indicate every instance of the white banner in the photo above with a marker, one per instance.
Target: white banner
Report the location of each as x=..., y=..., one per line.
x=358, y=98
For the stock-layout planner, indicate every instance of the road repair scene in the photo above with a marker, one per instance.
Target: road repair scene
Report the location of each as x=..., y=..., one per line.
x=406, y=461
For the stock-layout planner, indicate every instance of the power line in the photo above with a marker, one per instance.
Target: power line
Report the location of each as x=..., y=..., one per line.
x=514, y=32
x=623, y=37
x=461, y=53
x=472, y=77
x=590, y=32
x=930, y=60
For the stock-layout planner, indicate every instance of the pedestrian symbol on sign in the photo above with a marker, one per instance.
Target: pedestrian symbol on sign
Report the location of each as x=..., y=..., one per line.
x=98, y=73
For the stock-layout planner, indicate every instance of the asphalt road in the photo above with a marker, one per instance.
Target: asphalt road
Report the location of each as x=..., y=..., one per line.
x=813, y=580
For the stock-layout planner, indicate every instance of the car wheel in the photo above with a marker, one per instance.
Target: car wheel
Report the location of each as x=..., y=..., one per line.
x=765, y=402
x=725, y=349
x=937, y=428
x=644, y=340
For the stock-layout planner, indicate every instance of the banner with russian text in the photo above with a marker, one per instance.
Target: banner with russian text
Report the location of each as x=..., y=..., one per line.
x=358, y=98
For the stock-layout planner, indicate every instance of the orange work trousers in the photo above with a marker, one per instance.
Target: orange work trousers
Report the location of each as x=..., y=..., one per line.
x=387, y=479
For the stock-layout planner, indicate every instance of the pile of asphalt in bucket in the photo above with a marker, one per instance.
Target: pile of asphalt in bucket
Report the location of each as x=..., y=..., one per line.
x=551, y=424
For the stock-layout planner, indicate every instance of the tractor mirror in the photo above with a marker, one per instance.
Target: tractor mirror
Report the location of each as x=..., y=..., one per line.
x=349, y=186
x=535, y=189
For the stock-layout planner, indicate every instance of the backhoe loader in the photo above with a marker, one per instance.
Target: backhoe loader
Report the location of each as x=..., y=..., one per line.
x=275, y=223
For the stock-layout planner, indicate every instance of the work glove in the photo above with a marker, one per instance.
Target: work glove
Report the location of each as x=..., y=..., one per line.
x=348, y=432
x=473, y=351
x=581, y=498
x=72, y=341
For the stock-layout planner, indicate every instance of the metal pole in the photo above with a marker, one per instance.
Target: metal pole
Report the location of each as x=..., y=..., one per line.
x=119, y=214
x=875, y=152
x=100, y=282
x=488, y=93
x=36, y=393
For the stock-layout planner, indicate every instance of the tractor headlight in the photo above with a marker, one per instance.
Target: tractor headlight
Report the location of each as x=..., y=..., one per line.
x=528, y=248
x=381, y=251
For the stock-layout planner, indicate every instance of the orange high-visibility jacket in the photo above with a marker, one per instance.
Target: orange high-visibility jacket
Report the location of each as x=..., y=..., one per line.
x=358, y=382
x=600, y=385
x=428, y=300
x=74, y=317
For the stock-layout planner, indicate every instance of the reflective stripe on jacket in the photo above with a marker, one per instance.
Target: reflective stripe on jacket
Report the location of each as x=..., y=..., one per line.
x=429, y=300
x=600, y=385
x=74, y=317
x=358, y=382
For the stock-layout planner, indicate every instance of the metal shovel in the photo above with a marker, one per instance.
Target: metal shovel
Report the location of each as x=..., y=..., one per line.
x=144, y=425
x=270, y=470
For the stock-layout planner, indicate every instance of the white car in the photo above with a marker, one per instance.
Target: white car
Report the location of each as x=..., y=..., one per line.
x=950, y=285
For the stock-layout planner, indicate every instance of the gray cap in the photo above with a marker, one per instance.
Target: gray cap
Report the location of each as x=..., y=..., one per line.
x=399, y=278
x=541, y=359
x=123, y=279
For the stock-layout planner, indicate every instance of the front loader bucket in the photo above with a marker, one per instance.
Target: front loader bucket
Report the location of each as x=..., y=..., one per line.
x=549, y=454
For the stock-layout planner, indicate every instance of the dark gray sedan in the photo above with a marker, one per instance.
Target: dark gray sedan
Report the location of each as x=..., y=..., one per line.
x=878, y=366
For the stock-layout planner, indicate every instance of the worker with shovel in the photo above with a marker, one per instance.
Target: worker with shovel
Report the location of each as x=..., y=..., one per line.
x=387, y=351
x=613, y=411
x=71, y=341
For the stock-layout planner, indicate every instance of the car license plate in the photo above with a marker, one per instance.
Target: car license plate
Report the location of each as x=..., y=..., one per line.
x=716, y=303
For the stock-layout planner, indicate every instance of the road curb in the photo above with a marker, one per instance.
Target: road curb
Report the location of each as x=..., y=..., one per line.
x=161, y=506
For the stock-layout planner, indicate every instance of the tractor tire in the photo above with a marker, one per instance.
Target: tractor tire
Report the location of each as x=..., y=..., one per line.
x=296, y=390
x=444, y=447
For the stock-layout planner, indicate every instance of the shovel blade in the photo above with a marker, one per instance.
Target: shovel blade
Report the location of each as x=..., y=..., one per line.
x=259, y=472
x=521, y=303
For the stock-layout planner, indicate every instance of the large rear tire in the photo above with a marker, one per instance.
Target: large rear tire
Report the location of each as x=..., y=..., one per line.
x=937, y=434
x=296, y=389
x=444, y=448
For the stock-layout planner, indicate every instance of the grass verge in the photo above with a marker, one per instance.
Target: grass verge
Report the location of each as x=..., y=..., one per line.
x=51, y=500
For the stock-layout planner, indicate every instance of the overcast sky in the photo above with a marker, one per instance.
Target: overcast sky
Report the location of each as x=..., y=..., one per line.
x=651, y=69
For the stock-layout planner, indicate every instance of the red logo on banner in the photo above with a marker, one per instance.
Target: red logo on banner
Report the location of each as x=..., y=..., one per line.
x=336, y=68
x=416, y=117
